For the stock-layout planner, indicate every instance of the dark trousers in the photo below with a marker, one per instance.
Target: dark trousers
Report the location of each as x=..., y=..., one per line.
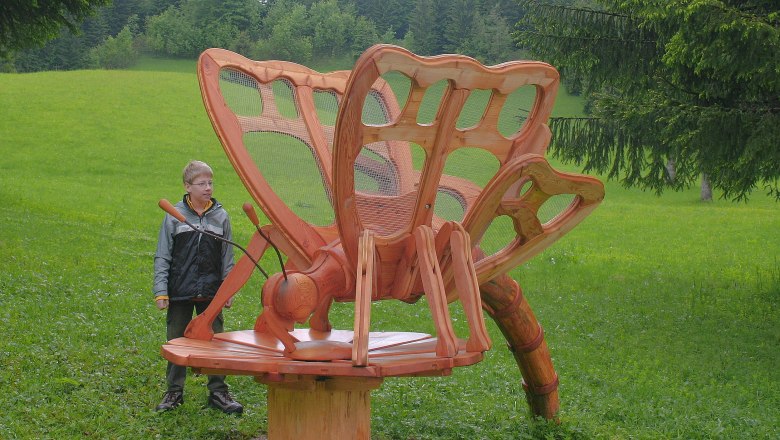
x=179, y=315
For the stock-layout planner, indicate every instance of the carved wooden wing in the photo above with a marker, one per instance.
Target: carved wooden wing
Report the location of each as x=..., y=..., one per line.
x=466, y=126
x=275, y=120
x=399, y=141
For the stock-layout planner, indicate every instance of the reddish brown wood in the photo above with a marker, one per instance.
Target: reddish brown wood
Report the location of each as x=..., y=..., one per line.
x=388, y=243
x=468, y=289
x=364, y=288
x=532, y=236
x=252, y=353
x=434, y=291
x=510, y=310
x=333, y=408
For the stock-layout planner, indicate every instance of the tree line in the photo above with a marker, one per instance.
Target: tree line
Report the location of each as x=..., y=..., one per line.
x=676, y=90
x=293, y=30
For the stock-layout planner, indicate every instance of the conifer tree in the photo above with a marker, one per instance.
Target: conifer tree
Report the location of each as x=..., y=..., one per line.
x=460, y=23
x=694, y=82
x=421, y=25
x=30, y=24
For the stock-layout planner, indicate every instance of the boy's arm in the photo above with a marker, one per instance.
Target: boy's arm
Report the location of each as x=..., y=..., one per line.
x=162, y=260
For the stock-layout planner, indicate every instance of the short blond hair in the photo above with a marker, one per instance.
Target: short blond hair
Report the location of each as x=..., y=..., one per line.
x=194, y=169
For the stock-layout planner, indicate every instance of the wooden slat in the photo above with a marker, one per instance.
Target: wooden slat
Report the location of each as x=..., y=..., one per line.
x=382, y=340
x=216, y=344
x=434, y=291
x=363, y=289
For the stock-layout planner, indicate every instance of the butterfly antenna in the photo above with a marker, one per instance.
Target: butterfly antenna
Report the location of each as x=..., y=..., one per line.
x=169, y=208
x=250, y=212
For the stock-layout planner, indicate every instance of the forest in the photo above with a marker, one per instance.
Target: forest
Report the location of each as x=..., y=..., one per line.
x=676, y=92
x=294, y=30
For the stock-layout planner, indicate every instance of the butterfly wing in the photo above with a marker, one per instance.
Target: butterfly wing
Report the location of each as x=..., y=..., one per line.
x=275, y=121
x=446, y=144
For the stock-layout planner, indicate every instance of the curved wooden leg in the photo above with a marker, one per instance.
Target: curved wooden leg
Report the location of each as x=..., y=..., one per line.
x=468, y=290
x=200, y=326
x=525, y=337
x=269, y=320
x=434, y=291
x=319, y=319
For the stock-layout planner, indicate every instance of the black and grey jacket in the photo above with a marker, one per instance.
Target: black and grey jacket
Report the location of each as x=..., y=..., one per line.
x=189, y=265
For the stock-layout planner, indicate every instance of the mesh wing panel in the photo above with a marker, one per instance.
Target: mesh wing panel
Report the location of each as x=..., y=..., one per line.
x=399, y=142
x=385, y=187
x=382, y=185
x=275, y=122
x=278, y=140
x=476, y=127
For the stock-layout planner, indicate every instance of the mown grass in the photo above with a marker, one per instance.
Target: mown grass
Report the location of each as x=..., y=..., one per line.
x=661, y=313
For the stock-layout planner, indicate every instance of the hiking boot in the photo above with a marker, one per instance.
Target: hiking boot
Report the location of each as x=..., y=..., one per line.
x=225, y=403
x=171, y=399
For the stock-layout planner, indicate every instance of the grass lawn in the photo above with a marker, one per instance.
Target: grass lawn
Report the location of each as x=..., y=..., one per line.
x=662, y=313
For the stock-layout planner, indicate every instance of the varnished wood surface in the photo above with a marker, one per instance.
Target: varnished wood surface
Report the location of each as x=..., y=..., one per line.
x=330, y=408
x=389, y=244
x=247, y=352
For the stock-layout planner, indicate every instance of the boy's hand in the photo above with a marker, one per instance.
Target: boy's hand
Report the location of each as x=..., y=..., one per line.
x=162, y=304
x=229, y=303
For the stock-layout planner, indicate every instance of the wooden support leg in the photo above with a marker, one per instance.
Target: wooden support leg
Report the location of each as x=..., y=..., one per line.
x=524, y=335
x=468, y=290
x=363, y=292
x=333, y=408
x=434, y=292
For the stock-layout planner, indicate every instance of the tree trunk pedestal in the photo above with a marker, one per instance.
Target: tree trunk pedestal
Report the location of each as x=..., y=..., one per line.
x=316, y=407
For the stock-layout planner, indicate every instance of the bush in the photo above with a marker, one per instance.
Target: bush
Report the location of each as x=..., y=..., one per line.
x=175, y=33
x=288, y=40
x=170, y=34
x=116, y=52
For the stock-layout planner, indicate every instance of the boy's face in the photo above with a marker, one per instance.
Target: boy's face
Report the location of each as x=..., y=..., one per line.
x=200, y=189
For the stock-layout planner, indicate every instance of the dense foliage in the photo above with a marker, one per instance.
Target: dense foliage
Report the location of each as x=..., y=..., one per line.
x=116, y=52
x=295, y=30
x=676, y=89
x=27, y=24
x=76, y=45
x=695, y=83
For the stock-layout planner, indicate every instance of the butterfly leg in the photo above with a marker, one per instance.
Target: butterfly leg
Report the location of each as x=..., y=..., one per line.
x=270, y=320
x=433, y=285
x=200, y=326
x=468, y=289
x=319, y=319
x=364, y=288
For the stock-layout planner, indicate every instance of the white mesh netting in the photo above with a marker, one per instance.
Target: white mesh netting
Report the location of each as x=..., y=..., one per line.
x=387, y=173
x=278, y=140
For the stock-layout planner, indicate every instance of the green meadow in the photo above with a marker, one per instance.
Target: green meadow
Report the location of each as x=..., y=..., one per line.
x=662, y=314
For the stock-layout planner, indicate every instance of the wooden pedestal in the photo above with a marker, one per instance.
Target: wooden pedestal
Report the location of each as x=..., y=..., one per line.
x=311, y=407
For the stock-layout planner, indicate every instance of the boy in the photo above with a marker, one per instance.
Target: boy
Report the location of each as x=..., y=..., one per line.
x=188, y=269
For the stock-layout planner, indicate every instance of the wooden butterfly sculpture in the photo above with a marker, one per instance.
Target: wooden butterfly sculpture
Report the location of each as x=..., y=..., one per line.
x=374, y=185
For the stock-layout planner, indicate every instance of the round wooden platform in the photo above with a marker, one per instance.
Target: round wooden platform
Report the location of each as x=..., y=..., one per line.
x=247, y=352
x=317, y=399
